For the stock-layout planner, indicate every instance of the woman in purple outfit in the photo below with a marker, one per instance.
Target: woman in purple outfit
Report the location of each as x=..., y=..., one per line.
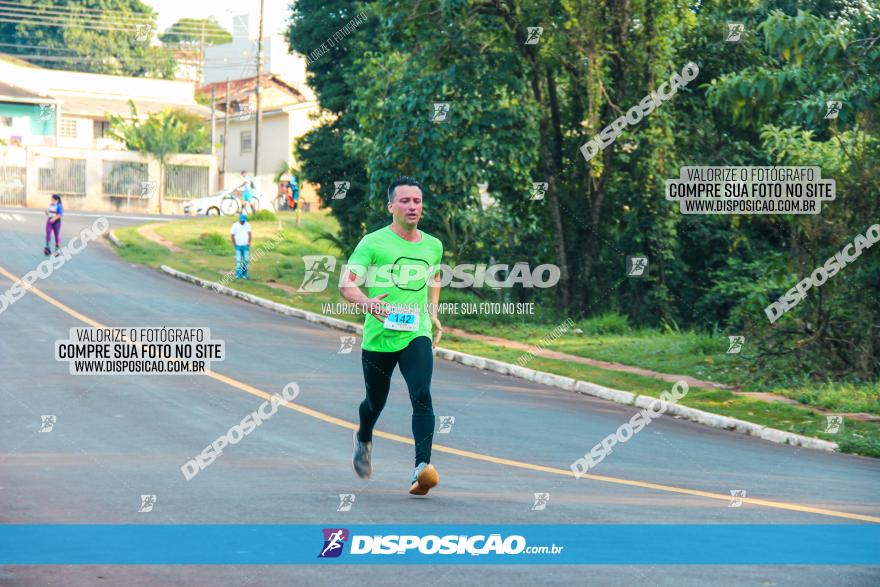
x=53, y=224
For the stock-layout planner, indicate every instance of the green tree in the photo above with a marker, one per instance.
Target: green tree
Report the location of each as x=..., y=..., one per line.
x=98, y=36
x=486, y=136
x=811, y=59
x=196, y=31
x=321, y=153
x=160, y=135
x=522, y=103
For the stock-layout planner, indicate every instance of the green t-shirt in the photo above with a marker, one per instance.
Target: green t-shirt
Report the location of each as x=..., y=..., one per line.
x=393, y=265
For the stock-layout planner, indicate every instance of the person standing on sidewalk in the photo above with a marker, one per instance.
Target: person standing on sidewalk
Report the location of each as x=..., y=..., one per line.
x=241, y=236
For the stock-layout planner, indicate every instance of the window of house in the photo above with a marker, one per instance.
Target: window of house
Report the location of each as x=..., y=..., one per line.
x=246, y=142
x=102, y=129
x=68, y=128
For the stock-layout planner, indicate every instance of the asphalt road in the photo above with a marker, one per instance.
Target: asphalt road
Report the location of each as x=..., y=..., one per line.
x=118, y=437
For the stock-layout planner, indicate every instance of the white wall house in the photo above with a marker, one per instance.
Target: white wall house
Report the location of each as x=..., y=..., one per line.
x=80, y=102
x=54, y=124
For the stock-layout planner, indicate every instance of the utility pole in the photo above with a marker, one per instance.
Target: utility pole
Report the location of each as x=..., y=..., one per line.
x=259, y=93
x=202, y=53
x=213, y=121
x=225, y=133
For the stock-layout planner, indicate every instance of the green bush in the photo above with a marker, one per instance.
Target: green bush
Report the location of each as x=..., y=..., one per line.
x=839, y=396
x=284, y=269
x=705, y=344
x=263, y=216
x=610, y=323
x=212, y=243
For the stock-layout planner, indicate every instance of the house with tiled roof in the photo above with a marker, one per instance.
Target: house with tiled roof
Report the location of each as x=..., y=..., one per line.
x=287, y=114
x=54, y=138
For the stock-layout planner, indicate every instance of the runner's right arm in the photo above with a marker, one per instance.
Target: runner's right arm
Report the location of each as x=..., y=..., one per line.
x=349, y=290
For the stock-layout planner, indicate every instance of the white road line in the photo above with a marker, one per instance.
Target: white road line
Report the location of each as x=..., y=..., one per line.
x=108, y=216
x=17, y=217
x=5, y=216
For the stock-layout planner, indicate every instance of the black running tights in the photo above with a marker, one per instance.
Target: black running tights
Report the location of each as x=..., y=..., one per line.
x=416, y=363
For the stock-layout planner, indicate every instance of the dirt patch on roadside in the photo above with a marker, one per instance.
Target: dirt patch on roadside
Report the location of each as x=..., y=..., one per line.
x=503, y=342
x=274, y=284
x=148, y=231
x=691, y=381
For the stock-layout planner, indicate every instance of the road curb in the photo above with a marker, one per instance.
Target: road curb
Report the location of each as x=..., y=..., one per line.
x=567, y=383
x=112, y=238
x=263, y=302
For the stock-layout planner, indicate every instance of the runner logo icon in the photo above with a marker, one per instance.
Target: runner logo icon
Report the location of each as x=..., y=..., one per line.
x=318, y=269
x=539, y=190
x=534, y=35
x=47, y=422
x=346, y=500
x=441, y=109
x=147, y=503
x=541, y=500
x=334, y=540
x=340, y=189
x=734, y=31
x=833, y=107
x=636, y=266
x=346, y=344
x=446, y=423
x=736, y=344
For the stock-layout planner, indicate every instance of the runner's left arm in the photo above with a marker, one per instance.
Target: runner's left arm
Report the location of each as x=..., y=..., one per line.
x=434, y=303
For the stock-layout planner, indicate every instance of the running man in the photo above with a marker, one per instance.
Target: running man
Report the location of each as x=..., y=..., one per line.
x=53, y=224
x=400, y=328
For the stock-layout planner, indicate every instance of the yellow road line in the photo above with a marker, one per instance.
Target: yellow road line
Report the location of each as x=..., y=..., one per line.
x=475, y=455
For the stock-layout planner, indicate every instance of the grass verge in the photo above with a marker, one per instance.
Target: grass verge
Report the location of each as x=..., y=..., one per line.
x=208, y=253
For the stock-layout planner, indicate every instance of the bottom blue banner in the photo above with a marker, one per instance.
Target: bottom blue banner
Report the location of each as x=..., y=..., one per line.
x=843, y=544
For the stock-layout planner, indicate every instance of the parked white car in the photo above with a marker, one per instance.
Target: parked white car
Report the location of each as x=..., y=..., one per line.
x=223, y=202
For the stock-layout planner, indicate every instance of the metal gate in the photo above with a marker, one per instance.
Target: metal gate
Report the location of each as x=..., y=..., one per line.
x=185, y=182
x=12, y=185
x=63, y=176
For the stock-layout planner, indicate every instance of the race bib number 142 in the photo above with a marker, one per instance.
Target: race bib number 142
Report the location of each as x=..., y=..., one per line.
x=405, y=321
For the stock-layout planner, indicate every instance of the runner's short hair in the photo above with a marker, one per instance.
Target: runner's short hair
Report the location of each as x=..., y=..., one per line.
x=402, y=180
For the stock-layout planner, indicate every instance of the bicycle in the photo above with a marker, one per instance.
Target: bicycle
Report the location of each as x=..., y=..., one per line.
x=232, y=205
x=287, y=201
x=284, y=202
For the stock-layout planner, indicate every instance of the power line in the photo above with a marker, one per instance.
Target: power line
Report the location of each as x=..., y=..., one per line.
x=66, y=7
x=65, y=25
x=95, y=27
x=145, y=17
x=167, y=48
x=132, y=59
x=50, y=11
x=115, y=17
x=69, y=9
x=170, y=47
x=38, y=47
x=70, y=22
